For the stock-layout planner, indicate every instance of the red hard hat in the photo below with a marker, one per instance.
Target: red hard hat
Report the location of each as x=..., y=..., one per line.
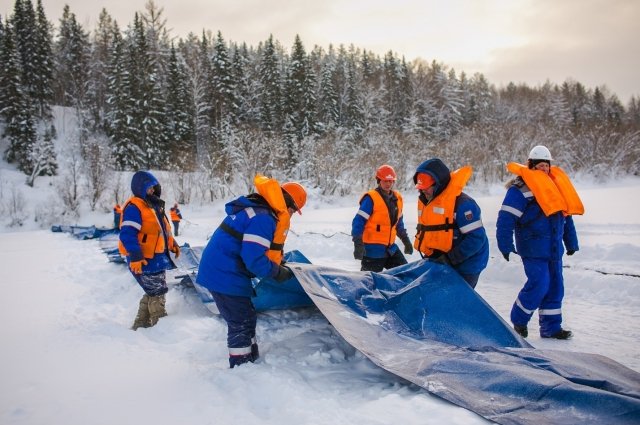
x=297, y=192
x=386, y=172
x=424, y=181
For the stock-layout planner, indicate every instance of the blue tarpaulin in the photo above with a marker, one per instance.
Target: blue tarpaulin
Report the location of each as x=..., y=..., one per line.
x=423, y=323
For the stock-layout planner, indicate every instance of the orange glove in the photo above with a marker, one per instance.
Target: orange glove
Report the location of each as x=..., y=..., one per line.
x=176, y=250
x=136, y=266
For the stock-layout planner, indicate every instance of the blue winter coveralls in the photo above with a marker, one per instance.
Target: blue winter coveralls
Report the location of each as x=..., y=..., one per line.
x=236, y=253
x=539, y=242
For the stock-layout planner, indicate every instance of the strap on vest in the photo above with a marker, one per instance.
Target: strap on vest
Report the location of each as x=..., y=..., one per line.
x=238, y=235
x=231, y=231
x=436, y=227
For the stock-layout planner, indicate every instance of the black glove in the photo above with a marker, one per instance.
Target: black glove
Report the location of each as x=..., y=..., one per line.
x=571, y=251
x=284, y=273
x=358, y=248
x=506, y=255
x=408, y=247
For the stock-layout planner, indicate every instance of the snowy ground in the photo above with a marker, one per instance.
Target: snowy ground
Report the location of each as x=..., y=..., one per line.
x=68, y=355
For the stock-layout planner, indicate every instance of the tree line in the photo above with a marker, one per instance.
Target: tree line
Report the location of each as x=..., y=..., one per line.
x=223, y=111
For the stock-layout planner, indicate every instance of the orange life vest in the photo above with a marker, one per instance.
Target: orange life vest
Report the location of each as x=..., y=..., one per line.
x=435, y=219
x=378, y=228
x=174, y=215
x=151, y=235
x=270, y=190
x=553, y=192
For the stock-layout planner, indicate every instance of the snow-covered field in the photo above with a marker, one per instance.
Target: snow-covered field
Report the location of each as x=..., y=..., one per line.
x=68, y=356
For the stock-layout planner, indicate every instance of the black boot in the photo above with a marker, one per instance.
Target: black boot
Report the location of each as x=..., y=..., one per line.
x=561, y=334
x=521, y=330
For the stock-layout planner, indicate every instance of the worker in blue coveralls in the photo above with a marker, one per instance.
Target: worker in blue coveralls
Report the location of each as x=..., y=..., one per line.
x=145, y=241
x=176, y=216
x=377, y=223
x=450, y=229
x=539, y=241
x=117, y=213
x=248, y=243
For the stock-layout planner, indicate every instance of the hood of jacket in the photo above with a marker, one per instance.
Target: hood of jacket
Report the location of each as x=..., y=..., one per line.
x=252, y=200
x=141, y=182
x=436, y=169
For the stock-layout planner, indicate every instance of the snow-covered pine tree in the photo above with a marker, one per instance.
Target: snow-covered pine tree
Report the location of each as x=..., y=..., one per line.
x=149, y=113
x=271, y=99
x=180, y=115
x=72, y=62
x=126, y=154
x=15, y=110
x=42, y=93
x=101, y=45
x=328, y=101
x=224, y=104
x=245, y=76
x=43, y=158
x=299, y=103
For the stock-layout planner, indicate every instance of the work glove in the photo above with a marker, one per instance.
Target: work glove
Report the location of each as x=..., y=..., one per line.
x=358, y=248
x=571, y=251
x=176, y=250
x=284, y=273
x=136, y=266
x=408, y=246
x=506, y=255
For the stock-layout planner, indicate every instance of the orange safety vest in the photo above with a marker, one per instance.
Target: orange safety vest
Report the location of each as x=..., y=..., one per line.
x=174, y=215
x=553, y=192
x=151, y=235
x=270, y=190
x=435, y=219
x=378, y=228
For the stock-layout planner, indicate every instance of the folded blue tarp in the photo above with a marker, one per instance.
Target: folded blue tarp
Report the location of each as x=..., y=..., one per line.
x=83, y=232
x=423, y=323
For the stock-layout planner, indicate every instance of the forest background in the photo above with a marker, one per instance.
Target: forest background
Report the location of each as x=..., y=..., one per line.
x=209, y=114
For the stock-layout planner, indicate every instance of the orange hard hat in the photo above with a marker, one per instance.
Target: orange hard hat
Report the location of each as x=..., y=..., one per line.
x=424, y=181
x=386, y=172
x=298, y=194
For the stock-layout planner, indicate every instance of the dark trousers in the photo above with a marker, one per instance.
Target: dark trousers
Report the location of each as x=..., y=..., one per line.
x=377, y=264
x=241, y=318
x=176, y=224
x=471, y=279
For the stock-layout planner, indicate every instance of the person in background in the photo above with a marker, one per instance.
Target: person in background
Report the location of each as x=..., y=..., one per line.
x=248, y=243
x=537, y=207
x=145, y=241
x=450, y=229
x=176, y=216
x=377, y=223
x=117, y=213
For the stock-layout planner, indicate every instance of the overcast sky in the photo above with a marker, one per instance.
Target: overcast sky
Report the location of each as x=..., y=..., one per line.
x=596, y=42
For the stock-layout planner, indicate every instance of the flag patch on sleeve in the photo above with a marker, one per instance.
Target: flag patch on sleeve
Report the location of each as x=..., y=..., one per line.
x=468, y=215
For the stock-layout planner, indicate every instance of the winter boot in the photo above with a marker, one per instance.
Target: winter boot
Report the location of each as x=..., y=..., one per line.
x=156, y=309
x=522, y=330
x=237, y=360
x=142, y=318
x=254, y=352
x=561, y=334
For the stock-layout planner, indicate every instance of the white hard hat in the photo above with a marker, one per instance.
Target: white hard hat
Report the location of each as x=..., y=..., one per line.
x=540, y=152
